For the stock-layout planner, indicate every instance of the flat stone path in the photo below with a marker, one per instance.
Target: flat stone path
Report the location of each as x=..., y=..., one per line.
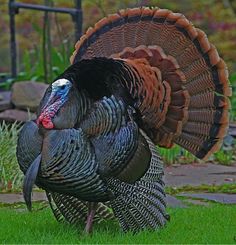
x=216, y=197
x=11, y=198
x=197, y=174
x=176, y=176
x=173, y=202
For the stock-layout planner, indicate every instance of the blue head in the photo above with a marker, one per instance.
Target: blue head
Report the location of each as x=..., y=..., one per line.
x=60, y=94
x=60, y=89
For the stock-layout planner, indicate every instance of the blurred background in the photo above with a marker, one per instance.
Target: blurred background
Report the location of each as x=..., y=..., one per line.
x=216, y=17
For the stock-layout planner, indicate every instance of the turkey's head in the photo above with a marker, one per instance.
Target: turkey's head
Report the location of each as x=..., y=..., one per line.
x=59, y=106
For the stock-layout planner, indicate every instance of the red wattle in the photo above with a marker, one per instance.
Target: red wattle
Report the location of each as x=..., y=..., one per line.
x=48, y=114
x=45, y=120
x=47, y=123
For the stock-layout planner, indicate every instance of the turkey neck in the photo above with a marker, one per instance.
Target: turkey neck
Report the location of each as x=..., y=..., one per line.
x=72, y=112
x=68, y=114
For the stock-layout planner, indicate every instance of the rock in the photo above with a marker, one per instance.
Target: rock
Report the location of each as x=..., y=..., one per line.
x=5, y=100
x=27, y=95
x=16, y=115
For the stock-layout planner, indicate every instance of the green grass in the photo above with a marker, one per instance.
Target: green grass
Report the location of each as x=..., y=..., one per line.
x=10, y=174
x=195, y=224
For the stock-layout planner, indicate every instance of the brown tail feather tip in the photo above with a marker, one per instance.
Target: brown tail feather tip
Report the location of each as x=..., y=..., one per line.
x=213, y=145
x=203, y=41
x=204, y=155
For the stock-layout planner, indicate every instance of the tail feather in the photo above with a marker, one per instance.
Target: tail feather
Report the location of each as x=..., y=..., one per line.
x=75, y=211
x=64, y=208
x=129, y=37
x=209, y=99
x=141, y=205
x=143, y=26
x=124, y=223
x=198, y=143
x=145, y=217
x=158, y=26
x=140, y=209
x=209, y=115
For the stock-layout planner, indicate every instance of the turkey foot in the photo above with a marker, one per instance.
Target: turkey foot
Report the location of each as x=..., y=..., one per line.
x=92, y=206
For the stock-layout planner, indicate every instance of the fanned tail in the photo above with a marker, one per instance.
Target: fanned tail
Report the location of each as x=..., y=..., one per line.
x=191, y=79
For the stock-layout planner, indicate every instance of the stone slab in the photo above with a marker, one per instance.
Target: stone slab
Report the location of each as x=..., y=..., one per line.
x=216, y=197
x=5, y=100
x=16, y=115
x=11, y=198
x=173, y=202
x=197, y=202
x=197, y=174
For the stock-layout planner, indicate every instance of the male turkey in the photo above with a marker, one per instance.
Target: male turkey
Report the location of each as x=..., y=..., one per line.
x=139, y=78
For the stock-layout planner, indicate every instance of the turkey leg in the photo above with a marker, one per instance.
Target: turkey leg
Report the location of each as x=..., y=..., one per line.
x=92, y=206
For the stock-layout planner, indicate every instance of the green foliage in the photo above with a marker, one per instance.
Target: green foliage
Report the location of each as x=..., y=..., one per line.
x=224, y=157
x=33, y=63
x=187, y=225
x=35, y=72
x=10, y=174
x=176, y=154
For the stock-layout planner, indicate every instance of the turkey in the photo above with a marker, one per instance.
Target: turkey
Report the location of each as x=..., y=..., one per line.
x=141, y=77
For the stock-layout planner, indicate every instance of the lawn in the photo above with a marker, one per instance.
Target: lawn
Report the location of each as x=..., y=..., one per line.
x=195, y=224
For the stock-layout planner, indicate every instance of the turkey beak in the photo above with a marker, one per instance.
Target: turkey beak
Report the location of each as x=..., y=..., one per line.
x=29, y=181
x=53, y=98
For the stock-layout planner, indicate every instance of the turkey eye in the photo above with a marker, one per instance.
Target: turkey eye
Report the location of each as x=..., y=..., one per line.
x=63, y=87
